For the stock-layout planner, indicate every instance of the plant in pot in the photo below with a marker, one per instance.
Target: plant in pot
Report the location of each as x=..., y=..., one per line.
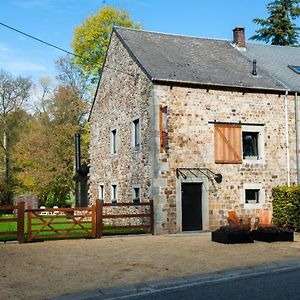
x=232, y=235
x=273, y=233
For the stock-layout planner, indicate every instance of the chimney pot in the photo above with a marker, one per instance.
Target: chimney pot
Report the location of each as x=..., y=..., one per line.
x=239, y=36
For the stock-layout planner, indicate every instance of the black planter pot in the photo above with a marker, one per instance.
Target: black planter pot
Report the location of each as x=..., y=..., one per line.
x=234, y=237
x=273, y=236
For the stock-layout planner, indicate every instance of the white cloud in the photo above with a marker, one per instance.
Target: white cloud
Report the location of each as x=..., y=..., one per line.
x=21, y=65
x=4, y=48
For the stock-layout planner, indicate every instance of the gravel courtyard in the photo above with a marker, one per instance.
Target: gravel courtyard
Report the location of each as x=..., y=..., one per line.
x=52, y=268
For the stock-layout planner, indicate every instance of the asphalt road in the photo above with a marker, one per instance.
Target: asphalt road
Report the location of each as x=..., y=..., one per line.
x=274, y=285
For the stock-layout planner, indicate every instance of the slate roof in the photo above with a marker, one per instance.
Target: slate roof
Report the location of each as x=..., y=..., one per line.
x=183, y=59
x=275, y=60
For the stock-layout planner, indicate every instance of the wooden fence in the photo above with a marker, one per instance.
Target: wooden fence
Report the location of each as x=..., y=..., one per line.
x=62, y=223
x=20, y=209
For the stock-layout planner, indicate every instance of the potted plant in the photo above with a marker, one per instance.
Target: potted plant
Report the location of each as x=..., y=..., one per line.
x=273, y=234
x=232, y=235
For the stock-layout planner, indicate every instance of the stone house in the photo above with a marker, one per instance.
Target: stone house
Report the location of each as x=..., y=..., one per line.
x=194, y=124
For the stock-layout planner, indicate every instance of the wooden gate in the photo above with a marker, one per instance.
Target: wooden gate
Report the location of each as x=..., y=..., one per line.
x=19, y=220
x=54, y=223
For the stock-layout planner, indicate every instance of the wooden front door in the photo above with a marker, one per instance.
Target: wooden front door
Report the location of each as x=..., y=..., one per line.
x=191, y=206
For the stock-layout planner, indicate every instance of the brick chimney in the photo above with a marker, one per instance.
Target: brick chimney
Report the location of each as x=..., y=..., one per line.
x=239, y=36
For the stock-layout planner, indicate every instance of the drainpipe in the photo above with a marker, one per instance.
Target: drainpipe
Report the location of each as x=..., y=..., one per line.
x=297, y=138
x=287, y=139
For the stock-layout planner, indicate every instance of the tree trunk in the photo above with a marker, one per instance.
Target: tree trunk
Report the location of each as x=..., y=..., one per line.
x=6, y=166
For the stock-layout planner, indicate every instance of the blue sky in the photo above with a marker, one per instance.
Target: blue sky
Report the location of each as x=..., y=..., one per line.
x=55, y=20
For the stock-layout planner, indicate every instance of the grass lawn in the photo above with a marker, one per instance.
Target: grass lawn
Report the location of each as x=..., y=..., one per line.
x=37, y=224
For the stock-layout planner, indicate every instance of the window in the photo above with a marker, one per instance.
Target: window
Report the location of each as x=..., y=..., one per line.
x=101, y=192
x=296, y=69
x=250, y=144
x=253, y=143
x=228, y=144
x=114, y=193
x=136, y=134
x=114, y=141
x=252, y=196
x=235, y=144
x=136, y=194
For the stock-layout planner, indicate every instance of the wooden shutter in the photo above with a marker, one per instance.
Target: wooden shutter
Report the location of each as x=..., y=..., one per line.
x=228, y=144
x=163, y=127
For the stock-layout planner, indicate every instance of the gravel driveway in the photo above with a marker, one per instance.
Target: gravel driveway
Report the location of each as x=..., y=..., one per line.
x=52, y=268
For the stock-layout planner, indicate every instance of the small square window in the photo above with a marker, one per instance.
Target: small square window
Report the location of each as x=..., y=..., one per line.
x=250, y=145
x=136, y=136
x=252, y=196
x=101, y=192
x=114, y=141
x=114, y=193
x=136, y=194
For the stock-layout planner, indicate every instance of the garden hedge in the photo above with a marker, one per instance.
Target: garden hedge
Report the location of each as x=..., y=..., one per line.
x=286, y=206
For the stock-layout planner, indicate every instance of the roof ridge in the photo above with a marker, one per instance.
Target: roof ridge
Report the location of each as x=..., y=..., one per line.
x=273, y=46
x=173, y=34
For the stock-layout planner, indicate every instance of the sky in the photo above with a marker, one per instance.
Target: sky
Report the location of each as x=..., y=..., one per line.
x=54, y=21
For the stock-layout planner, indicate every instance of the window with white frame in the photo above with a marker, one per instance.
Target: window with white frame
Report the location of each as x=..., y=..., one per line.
x=136, y=134
x=253, y=195
x=136, y=193
x=113, y=141
x=253, y=143
x=101, y=192
x=114, y=194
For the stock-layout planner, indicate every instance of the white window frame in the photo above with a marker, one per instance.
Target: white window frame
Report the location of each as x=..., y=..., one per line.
x=101, y=191
x=260, y=143
x=113, y=141
x=136, y=186
x=114, y=193
x=261, y=196
x=136, y=146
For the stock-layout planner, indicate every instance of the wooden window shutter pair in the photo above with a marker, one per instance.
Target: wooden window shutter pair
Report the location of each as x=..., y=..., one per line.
x=228, y=144
x=163, y=128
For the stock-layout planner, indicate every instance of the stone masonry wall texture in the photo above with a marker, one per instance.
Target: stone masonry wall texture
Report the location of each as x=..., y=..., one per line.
x=128, y=93
x=191, y=141
x=123, y=95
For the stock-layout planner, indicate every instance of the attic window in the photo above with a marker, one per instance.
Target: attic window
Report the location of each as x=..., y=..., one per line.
x=296, y=69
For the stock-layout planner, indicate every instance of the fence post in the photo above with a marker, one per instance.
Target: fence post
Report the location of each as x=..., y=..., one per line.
x=152, y=216
x=20, y=222
x=99, y=221
x=94, y=223
x=28, y=224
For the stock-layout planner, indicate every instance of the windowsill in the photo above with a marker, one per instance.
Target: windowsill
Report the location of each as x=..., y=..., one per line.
x=137, y=148
x=253, y=161
x=253, y=206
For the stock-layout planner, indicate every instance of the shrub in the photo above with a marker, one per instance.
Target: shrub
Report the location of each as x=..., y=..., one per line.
x=286, y=206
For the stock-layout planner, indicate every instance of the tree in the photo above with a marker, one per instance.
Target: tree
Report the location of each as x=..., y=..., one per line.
x=45, y=152
x=13, y=93
x=279, y=27
x=91, y=38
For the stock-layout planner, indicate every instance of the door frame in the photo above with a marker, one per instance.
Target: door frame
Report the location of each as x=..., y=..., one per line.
x=205, y=213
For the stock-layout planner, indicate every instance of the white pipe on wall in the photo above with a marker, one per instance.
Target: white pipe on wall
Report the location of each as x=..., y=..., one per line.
x=297, y=138
x=287, y=140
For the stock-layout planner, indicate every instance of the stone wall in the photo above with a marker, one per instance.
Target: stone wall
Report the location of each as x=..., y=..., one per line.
x=123, y=95
x=191, y=141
